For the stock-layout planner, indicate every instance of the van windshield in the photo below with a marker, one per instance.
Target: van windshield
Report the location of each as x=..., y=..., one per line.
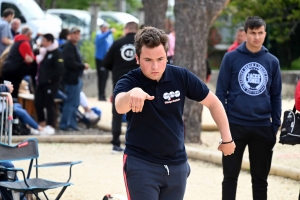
x=32, y=10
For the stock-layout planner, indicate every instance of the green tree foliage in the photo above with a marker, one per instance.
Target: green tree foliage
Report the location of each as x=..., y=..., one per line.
x=282, y=16
x=131, y=5
x=283, y=24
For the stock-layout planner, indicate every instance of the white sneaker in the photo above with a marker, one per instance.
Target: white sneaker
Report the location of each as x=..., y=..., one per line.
x=34, y=131
x=48, y=130
x=91, y=115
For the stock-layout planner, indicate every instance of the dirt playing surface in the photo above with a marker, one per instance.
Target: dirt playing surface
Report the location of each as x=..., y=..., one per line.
x=101, y=173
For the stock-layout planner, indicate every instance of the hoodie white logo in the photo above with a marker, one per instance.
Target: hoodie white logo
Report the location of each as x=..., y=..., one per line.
x=253, y=78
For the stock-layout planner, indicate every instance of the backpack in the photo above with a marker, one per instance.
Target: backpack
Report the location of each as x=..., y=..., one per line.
x=290, y=128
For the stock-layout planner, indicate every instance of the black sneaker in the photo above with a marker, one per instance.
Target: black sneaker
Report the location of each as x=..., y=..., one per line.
x=117, y=149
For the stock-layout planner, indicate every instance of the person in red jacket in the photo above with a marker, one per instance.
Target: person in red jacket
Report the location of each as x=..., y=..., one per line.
x=20, y=61
x=240, y=38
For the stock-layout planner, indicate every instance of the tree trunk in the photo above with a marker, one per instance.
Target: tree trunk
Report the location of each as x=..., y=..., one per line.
x=193, y=20
x=53, y=4
x=41, y=4
x=155, y=13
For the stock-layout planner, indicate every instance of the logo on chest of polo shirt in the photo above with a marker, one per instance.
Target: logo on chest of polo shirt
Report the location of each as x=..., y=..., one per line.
x=253, y=78
x=171, y=97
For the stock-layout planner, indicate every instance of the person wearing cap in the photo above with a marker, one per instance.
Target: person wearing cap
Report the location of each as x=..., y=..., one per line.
x=72, y=80
x=103, y=41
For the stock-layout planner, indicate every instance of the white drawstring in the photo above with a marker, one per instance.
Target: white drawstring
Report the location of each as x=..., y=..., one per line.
x=166, y=166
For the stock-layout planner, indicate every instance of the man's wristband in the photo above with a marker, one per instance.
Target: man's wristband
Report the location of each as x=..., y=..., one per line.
x=221, y=142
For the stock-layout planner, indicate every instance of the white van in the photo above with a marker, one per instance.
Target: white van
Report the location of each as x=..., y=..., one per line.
x=30, y=14
x=117, y=17
x=78, y=18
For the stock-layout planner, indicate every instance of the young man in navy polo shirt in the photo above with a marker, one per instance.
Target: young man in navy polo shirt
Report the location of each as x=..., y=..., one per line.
x=155, y=161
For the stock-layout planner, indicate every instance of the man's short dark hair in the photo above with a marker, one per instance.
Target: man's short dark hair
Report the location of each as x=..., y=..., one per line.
x=254, y=22
x=132, y=26
x=49, y=37
x=7, y=12
x=150, y=37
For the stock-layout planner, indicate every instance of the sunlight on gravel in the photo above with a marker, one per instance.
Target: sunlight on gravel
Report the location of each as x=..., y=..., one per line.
x=101, y=173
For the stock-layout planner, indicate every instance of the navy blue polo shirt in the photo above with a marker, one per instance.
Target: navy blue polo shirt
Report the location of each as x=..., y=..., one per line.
x=156, y=134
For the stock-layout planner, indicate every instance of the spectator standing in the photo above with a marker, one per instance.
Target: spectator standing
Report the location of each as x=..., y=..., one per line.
x=5, y=33
x=63, y=37
x=103, y=42
x=120, y=60
x=72, y=80
x=239, y=39
x=20, y=61
x=153, y=96
x=249, y=86
x=48, y=81
x=15, y=25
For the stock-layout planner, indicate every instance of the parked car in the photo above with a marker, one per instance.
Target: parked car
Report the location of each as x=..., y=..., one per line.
x=30, y=14
x=117, y=17
x=78, y=18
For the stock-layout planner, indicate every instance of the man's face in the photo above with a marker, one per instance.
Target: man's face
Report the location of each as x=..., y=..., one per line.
x=256, y=37
x=75, y=37
x=103, y=29
x=15, y=26
x=45, y=42
x=152, y=62
x=241, y=37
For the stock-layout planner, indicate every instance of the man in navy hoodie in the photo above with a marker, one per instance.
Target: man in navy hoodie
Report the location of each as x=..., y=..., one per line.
x=249, y=86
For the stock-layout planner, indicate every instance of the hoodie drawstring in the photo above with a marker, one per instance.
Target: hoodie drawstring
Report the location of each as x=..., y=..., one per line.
x=166, y=166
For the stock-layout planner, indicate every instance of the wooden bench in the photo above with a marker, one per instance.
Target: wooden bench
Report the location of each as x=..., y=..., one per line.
x=27, y=102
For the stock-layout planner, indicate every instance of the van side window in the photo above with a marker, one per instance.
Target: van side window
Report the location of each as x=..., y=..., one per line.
x=71, y=20
x=109, y=19
x=18, y=14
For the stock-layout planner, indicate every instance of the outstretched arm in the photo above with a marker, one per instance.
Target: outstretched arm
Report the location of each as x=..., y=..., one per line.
x=218, y=113
x=131, y=100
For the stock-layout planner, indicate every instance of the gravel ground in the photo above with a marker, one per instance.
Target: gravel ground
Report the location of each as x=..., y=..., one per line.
x=285, y=155
x=101, y=172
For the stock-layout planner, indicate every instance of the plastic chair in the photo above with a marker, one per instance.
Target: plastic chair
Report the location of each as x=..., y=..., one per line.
x=28, y=150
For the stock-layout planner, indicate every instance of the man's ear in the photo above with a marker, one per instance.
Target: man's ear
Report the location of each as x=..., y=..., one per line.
x=137, y=59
